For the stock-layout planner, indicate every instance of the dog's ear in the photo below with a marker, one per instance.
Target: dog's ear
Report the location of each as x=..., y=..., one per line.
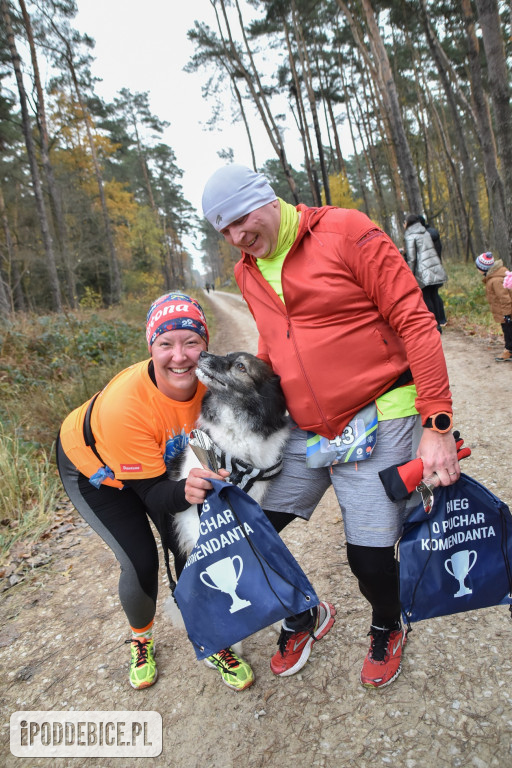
x=275, y=381
x=272, y=392
x=268, y=369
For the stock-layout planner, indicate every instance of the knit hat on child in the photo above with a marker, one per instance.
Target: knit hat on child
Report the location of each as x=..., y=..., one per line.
x=485, y=261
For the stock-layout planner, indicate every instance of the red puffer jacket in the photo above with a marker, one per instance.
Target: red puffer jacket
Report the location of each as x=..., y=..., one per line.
x=354, y=321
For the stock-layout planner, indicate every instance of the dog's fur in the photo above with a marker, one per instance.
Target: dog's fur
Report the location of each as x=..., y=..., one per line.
x=244, y=414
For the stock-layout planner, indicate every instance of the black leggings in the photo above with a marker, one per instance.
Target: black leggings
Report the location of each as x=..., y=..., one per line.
x=434, y=302
x=507, y=333
x=121, y=519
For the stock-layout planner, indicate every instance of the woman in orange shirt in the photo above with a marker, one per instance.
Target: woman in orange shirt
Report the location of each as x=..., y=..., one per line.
x=112, y=454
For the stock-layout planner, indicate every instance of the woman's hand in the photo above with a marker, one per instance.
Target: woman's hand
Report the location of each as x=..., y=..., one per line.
x=197, y=483
x=439, y=455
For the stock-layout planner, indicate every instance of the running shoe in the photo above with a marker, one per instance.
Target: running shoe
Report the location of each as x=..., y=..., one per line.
x=295, y=647
x=143, y=671
x=235, y=672
x=382, y=664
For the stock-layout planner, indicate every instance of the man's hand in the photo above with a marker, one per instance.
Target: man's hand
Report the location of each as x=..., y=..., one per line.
x=197, y=483
x=400, y=480
x=439, y=456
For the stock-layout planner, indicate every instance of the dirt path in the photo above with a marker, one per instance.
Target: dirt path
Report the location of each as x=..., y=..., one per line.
x=63, y=632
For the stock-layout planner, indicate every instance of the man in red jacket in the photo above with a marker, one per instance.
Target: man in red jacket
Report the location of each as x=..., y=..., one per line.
x=342, y=321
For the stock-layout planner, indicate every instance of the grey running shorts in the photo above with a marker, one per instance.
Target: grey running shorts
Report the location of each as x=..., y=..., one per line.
x=369, y=517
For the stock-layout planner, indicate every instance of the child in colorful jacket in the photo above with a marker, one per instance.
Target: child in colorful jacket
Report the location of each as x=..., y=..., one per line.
x=494, y=277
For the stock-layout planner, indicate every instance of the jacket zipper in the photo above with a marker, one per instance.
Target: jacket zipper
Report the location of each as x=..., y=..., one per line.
x=290, y=335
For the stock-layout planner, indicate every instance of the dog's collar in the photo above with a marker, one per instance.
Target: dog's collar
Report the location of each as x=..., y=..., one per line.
x=241, y=473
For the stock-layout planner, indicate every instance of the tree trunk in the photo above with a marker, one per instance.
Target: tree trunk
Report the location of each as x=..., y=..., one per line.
x=499, y=78
x=494, y=184
x=254, y=85
x=460, y=134
x=383, y=77
x=340, y=161
x=115, y=276
x=307, y=77
x=350, y=116
x=15, y=284
x=56, y=208
x=165, y=250
x=461, y=218
x=5, y=303
x=309, y=160
x=34, y=170
x=245, y=122
x=373, y=167
x=392, y=105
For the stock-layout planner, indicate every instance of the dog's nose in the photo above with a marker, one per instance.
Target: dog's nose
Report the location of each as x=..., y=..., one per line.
x=203, y=355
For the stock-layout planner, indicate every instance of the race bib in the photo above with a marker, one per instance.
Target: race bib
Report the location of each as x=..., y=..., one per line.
x=356, y=442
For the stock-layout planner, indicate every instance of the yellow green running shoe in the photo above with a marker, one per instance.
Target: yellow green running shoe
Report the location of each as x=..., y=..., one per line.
x=143, y=671
x=235, y=672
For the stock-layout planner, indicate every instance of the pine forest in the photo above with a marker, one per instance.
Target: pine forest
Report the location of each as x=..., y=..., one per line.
x=90, y=195
x=389, y=106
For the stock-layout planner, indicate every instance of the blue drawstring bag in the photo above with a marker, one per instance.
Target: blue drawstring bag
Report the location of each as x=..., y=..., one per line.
x=240, y=577
x=458, y=556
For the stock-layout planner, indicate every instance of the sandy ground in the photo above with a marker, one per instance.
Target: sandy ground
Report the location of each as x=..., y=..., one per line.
x=63, y=632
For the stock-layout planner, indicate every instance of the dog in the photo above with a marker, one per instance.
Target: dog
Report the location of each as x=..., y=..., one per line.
x=244, y=415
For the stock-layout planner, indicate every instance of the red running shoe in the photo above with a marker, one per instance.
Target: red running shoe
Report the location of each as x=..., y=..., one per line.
x=383, y=661
x=295, y=647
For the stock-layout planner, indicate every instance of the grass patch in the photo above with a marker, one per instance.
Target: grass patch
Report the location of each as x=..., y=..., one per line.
x=51, y=364
x=29, y=490
x=465, y=302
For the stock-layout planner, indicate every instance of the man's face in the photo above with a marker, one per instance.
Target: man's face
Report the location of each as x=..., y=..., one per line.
x=257, y=232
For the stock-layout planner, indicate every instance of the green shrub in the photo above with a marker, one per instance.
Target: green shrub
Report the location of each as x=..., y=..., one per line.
x=465, y=302
x=29, y=490
x=51, y=364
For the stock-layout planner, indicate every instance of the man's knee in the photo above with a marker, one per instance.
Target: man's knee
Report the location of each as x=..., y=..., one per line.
x=371, y=562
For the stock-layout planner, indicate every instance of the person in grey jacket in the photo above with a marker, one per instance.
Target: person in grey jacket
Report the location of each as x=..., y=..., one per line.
x=436, y=239
x=421, y=256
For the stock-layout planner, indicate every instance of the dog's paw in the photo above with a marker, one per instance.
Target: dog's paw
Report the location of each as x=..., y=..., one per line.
x=173, y=613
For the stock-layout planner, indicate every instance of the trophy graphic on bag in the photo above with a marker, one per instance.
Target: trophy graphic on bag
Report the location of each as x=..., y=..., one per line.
x=224, y=577
x=461, y=565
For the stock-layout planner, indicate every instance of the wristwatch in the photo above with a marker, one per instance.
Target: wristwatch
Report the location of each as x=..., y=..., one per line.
x=439, y=422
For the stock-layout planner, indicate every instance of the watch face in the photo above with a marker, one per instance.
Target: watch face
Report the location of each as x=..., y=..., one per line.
x=442, y=421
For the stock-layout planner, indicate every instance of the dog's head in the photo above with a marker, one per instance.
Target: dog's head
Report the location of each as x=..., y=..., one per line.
x=241, y=380
x=240, y=372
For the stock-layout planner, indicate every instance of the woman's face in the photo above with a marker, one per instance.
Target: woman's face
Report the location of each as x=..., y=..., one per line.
x=175, y=355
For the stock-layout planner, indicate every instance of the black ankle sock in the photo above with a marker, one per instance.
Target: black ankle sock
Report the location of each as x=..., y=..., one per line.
x=301, y=622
